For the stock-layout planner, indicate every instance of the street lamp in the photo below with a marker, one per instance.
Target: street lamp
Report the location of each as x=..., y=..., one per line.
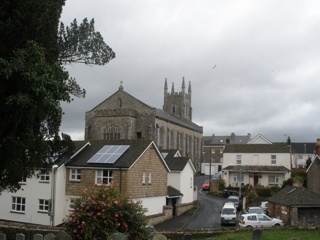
x=51, y=205
x=240, y=184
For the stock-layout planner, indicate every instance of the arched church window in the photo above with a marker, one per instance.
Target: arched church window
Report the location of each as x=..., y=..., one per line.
x=119, y=103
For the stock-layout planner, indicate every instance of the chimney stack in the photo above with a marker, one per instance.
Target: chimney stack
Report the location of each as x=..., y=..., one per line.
x=317, y=147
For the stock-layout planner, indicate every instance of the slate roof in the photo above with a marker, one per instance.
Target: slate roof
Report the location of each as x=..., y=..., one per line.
x=299, y=148
x=257, y=148
x=137, y=147
x=173, y=192
x=177, y=163
x=296, y=196
x=221, y=140
x=182, y=122
x=255, y=168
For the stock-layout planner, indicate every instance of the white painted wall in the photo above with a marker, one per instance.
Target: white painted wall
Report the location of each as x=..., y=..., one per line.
x=154, y=205
x=33, y=190
x=187, y=180
x=60, y=192
x=205, y=168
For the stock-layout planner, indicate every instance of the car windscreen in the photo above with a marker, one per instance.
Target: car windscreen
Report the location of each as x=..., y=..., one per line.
x=228, y=211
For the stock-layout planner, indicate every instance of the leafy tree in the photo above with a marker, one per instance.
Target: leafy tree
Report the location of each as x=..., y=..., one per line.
x=101, y=211
x=34, y=82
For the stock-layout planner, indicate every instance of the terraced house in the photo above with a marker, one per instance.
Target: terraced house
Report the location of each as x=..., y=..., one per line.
x=257, y=162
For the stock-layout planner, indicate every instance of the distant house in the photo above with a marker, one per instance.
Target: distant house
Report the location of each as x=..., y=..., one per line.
x=259, y=162
x=213, y=147
x=181, y=191
x=296, y=206
x=300, y=153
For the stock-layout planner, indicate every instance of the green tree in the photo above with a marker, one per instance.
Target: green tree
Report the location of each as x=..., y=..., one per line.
x=101, y=211
x=34, y=82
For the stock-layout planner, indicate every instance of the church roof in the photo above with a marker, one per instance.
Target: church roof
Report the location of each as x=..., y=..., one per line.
x=182, y=122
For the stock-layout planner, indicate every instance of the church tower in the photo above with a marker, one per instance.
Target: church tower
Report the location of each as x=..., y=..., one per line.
x=178, y=103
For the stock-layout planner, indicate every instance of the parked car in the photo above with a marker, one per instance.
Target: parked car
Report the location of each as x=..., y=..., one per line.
x=206, y=185
x=254, y=220
x=255, y=210
x=226, y=193
x=228, y=214
x=236, y=200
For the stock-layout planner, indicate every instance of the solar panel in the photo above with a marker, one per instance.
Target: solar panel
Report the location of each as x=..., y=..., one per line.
x=108, y=154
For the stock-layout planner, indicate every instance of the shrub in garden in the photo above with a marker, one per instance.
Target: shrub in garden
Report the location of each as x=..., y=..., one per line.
x=101, y=211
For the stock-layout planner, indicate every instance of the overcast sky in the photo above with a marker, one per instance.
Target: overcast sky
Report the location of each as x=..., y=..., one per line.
x=254, y=66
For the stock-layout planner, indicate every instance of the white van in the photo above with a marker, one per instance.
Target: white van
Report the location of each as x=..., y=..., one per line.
x=228, y=214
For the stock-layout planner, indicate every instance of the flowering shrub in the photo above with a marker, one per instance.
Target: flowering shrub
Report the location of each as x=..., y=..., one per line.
x=102, y=211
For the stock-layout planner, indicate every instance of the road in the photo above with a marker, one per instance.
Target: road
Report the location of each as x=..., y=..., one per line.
x=208, y=215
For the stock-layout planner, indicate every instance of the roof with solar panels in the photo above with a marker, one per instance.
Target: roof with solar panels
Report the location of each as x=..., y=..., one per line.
x=111, y=153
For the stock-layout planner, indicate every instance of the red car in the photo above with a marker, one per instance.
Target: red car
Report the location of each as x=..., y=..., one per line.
x=206, y=185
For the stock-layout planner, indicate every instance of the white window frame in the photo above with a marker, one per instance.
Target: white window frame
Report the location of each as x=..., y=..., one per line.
x=143, y=178
x=45, y=176
x=149, y=178
x=101, y=178
x=72, y=202
x=275, y=182
x=238, y=178
x=238, y=159
x=18, y=204
x=75, y=174
x=44, y=205
x=273, y=159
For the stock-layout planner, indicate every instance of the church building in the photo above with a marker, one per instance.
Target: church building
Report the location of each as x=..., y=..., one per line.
x=122, y=116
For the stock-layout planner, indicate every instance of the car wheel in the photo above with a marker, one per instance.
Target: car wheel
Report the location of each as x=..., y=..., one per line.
x=249, y=226
x=277, y=225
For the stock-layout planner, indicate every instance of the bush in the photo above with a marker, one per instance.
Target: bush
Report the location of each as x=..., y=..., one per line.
x=102, y=211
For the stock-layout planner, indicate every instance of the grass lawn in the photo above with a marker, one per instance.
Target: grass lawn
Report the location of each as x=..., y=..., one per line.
x=271, y=234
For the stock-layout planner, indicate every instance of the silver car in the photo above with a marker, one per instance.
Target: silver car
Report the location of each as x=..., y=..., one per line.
x=254, y=220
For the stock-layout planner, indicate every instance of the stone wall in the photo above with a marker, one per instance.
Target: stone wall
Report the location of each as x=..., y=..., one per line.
x=181, y=208
x=159, y=218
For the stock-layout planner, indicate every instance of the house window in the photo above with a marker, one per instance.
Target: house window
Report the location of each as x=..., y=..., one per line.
x=238, y=159
x=104, y=177
x=238, y=178
x=44, y=205
x=273, y=159
x=45, y=176
x=75, y=174
x=273, y=180
x=72, y=203
x=18, y=204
